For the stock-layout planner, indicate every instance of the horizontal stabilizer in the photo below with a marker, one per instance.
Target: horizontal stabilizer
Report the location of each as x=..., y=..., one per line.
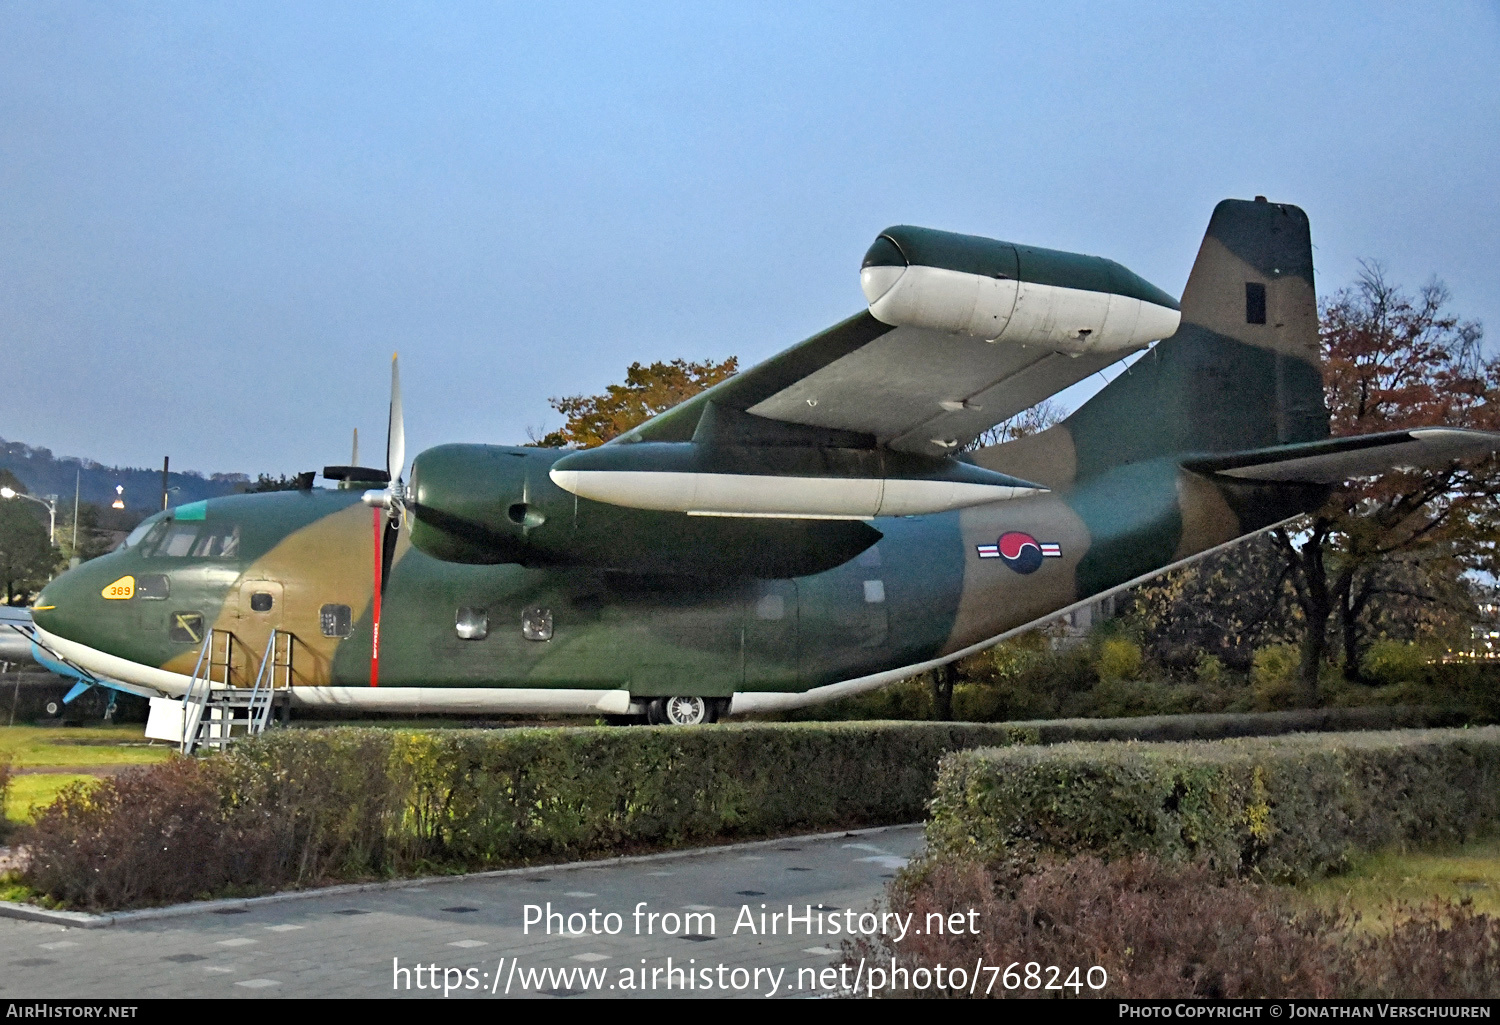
x=1338, y=459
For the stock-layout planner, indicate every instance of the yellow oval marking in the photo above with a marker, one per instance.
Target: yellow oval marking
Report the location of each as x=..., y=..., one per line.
x=122, y=588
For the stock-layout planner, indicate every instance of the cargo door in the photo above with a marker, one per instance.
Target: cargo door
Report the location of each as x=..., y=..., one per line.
x=259, y=609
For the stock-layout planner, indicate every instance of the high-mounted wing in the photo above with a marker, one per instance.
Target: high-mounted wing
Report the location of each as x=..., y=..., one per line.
x=863, y=420
x=962, y=333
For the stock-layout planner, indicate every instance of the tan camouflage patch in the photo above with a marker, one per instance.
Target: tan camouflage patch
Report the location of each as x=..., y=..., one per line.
x=1215, y=299
x=1048, y=458
x=1207, y=520
x=328, y=562
x=995, y=597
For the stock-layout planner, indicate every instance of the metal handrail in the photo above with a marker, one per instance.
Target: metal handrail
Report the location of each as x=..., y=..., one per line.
x=257, y=703
x=263, y=693
x=194, y=703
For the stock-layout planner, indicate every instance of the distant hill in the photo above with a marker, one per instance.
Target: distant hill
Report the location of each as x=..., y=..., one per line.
x=46, y=474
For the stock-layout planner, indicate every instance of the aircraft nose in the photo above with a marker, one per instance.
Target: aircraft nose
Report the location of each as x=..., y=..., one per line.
x=49, y=612
x=76, y=598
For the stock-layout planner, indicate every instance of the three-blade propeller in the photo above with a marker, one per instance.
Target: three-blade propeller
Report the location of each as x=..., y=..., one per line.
x=392, y=502
x=393, y=498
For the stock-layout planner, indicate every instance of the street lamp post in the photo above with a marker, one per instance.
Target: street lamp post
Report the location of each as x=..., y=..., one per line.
x=49, y=503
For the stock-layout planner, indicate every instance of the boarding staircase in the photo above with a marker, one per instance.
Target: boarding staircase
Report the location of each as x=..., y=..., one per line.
x=215, y=711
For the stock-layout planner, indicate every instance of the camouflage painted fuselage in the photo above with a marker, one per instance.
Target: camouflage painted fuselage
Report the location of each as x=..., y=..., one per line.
x=1237, y=375
x=921, y=593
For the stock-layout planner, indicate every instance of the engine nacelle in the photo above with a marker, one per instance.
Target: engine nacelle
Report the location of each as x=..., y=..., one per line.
x=964, y=284
x=493, y=504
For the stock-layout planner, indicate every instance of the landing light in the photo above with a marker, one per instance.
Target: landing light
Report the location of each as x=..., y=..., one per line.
x=119, y=502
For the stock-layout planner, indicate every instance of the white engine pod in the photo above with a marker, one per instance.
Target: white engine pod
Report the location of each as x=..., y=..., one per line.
x=1002, y=310
x=962, y=284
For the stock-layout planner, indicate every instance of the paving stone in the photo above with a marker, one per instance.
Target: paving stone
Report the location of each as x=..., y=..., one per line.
x=324, y=947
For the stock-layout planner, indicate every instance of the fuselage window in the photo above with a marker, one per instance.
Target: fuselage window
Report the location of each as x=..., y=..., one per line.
x=472, y=624
x=336, y=620
x=261, y=601
x=152, y=585
x=186, y=627
x=536, y=624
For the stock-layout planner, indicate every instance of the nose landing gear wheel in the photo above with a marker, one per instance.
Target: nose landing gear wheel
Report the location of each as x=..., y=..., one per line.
x=682, y=711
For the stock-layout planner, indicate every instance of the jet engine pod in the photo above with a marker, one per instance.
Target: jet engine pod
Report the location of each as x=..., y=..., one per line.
x=491, y=504
x=1001, y=292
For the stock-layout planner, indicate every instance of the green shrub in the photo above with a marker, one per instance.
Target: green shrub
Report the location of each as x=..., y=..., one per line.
x=1273, y=677
x=1224, y=725
x=1277, y=808
x=1209, y=670
x=1118, y=658
x=1394, y=662
x=1113, y=697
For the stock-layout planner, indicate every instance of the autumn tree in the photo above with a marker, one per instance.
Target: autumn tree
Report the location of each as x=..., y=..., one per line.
x=592, y=420
x=1394, y=361
x=1226, y=605
x=1035, y=420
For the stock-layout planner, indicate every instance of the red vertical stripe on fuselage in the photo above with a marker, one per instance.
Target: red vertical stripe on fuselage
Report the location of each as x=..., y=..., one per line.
x=375, y=608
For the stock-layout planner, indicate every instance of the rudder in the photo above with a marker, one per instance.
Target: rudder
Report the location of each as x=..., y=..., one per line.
x=1243, y=370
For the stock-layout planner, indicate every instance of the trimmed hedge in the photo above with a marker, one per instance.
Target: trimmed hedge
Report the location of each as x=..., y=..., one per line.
x=300, y=807
x=475, y=797
x=1221, y=725
x=1276, y=808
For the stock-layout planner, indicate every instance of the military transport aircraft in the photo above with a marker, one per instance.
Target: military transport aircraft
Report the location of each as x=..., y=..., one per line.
x=808, y=529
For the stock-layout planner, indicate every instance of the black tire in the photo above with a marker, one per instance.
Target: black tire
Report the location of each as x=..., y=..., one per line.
x=656, y=712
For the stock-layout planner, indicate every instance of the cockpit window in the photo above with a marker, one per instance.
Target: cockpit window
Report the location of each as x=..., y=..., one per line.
x=178, y=540
x=142, y=529
x=221, y=541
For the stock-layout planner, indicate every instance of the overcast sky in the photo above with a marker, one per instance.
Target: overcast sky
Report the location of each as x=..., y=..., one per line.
x=218, y=220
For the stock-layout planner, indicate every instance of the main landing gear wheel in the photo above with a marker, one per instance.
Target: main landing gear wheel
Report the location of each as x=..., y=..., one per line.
x=682, y=711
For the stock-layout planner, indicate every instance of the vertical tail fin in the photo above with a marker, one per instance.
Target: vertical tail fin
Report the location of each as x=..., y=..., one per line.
x=1243, y=371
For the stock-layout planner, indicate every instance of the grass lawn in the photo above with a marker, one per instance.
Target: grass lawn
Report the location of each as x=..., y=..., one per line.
x=41, y=746
x=1377, y=885
x=38, y=790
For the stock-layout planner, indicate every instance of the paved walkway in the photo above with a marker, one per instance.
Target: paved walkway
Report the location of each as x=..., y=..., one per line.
x=472, y=935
